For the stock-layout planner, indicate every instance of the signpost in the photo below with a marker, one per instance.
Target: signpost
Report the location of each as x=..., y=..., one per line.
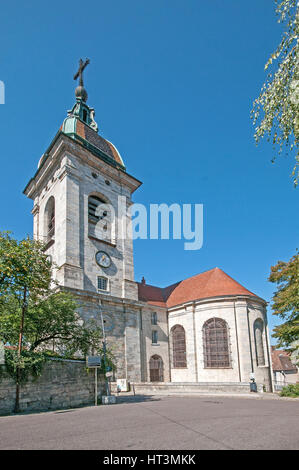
x=108, y=399
x=98, y=361
x=104, y=352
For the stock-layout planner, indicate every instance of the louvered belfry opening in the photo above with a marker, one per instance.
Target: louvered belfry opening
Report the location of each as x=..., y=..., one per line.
x=93, y=203
x=156, y=369
x=51, y=225
x=215, y=341
x=50, y=219
x=178, y=347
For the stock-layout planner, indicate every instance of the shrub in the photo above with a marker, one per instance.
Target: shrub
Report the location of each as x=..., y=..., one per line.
x=291, y=390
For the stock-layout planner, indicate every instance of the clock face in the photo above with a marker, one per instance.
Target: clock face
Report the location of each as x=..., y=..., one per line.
x=103, y=259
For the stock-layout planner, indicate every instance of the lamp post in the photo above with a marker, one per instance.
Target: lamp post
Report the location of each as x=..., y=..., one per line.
x=104, y=350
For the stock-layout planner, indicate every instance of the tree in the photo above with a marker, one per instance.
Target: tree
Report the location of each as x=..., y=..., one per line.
x=286, y=301
x=32, y=313
x=51, y=322
x=24, y=271
x=276, y=110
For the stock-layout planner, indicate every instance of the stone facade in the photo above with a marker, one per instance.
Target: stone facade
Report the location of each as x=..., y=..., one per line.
x=63, y=384
x=72, y=171
x=68, y=176
x=161, y=348
x=239, y=314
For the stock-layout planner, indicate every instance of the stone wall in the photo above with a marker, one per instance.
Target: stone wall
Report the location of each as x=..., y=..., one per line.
x=63, y=384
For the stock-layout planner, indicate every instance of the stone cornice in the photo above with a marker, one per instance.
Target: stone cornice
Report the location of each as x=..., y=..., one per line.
x=35, y=209
x=109, y=299
x=245, y=299
x=60, y=146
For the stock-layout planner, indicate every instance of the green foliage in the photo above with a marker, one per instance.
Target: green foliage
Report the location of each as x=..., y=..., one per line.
x=291, y=390
x=50, y=317
x=286, y=300
x=28, y=364
x=276, y=110
x=49, y=321
x=23, y=265
x=35, y=316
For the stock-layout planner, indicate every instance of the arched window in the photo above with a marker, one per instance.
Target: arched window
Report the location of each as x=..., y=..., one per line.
x=99, y=218
x=215, y=344
x=49, y=219
x=156, y=369
x=258, y=338
x=178, y=346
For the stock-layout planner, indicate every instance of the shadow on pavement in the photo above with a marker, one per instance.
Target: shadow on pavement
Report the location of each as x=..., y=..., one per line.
x=136, y=398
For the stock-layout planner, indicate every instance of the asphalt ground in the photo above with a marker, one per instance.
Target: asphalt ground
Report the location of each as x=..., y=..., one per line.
x=160, y=422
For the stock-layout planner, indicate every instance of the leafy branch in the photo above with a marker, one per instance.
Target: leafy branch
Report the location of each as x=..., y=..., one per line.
x=275, y=112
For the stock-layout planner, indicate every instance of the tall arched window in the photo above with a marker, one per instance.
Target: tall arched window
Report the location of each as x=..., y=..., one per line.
x=99, y=218
x=216, y=344
x=178, y=346
x=49, y=220
x=258, y=338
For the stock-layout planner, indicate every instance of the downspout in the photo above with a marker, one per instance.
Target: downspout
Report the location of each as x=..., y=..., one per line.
x=125, y=321
x=169, y=339
x=195, y=344
x=237, y=342
x=268, y=351
x=249, y=334
x=142, y=352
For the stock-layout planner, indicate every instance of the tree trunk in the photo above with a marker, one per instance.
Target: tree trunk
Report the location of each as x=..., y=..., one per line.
x=24, y=306
x=17, y=402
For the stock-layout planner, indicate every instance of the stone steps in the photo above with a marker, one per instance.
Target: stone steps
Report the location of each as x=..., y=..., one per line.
x=162, y=388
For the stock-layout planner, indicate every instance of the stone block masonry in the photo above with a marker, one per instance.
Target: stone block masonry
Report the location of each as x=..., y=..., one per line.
x=63, y=384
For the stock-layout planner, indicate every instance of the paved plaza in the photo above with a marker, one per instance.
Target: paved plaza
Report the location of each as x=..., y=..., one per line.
x=160, y=422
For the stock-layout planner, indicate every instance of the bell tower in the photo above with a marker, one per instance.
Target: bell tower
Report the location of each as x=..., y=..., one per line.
x=82, y=192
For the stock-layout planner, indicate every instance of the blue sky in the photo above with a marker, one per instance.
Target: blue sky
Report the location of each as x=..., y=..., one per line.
x=172, y=83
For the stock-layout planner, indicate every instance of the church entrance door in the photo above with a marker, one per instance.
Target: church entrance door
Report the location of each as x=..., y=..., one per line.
x=156, y=369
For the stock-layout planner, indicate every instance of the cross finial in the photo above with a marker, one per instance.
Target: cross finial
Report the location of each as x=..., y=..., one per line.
x=82, y=66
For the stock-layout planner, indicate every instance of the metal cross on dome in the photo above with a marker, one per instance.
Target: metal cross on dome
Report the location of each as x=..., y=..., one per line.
x=82, y=66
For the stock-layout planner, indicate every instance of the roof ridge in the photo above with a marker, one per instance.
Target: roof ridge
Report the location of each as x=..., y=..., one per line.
x=239, y=284
x=210, y=283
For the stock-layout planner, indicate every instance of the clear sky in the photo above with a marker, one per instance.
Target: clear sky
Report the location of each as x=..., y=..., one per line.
x=172, y=83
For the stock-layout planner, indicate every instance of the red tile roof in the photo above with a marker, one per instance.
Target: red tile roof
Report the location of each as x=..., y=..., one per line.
x=212, y=283
x=281, y=360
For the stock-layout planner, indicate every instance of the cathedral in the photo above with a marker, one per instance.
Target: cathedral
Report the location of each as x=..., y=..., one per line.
x=205, y=329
